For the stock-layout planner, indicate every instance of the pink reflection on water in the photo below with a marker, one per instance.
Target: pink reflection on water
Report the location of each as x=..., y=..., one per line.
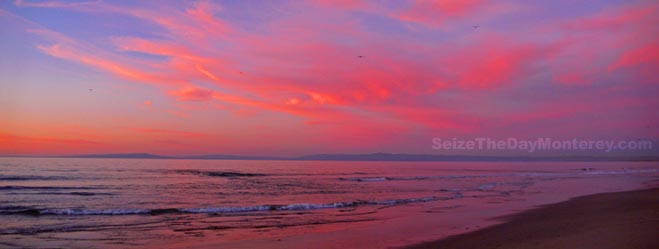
x=282, y=204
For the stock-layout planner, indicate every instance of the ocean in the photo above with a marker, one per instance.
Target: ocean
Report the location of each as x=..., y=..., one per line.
x=166, y=203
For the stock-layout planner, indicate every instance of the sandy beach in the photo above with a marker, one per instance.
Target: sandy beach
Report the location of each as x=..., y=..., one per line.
x=608, y=220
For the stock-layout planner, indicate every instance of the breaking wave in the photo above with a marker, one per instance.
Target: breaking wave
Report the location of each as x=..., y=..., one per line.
x=583, y=172
x=42, y=188
x=218, y=210
x=34, y=178
x=218, y=173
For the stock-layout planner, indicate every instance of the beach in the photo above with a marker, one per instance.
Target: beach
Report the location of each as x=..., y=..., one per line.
x=609, y=220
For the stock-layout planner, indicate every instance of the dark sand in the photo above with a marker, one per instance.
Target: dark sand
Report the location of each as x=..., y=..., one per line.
x=610, y=220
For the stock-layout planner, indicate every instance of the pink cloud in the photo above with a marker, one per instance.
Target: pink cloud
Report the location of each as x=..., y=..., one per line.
x=193, y=94
x=436, y=12
x=493, y=65
x=590, y=42
x=646, y=55
x=169, y=132
x=343, y=77
x=67, y=48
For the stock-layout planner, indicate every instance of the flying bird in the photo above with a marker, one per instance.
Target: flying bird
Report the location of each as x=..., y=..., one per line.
x=360, y=56
x=475, y=26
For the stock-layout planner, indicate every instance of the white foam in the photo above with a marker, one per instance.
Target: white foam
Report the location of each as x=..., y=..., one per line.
x=66, y=211
x=261, y=208
x=366, y=179
x=308, y=206
x=226, y=209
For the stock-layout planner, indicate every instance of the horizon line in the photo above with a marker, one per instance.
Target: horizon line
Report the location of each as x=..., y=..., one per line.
x=376, y=156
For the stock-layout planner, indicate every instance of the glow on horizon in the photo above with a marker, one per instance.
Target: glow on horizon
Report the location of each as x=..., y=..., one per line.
x=300, y=77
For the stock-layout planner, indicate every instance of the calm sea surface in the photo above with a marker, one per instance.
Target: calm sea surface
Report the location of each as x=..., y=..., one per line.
x=120, y=203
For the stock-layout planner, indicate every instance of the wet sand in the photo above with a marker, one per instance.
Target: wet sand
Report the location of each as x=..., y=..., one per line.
x=609, y=220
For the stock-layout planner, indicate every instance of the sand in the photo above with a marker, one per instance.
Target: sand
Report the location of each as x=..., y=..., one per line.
x=609, y=220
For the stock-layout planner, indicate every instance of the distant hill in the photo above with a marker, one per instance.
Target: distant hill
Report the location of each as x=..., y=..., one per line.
x=396, y=157
x=234, y=157
x=377, y=157
x=454, y=158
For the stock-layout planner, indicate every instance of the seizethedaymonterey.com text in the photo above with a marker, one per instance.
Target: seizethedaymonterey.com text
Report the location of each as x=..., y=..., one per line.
x=539, y=144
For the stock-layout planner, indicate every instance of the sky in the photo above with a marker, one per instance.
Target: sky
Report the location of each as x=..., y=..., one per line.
x=286, y=78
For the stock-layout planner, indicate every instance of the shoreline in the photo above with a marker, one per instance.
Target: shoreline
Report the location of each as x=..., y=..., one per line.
x=626, y=219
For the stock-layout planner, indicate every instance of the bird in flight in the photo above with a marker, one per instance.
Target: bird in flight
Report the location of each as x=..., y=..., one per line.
x=475, y=26
x=91, y=89
x=360, y=56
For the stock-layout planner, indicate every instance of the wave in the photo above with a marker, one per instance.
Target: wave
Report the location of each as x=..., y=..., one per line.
x=617, y=172
x=60, y=193
x=219, y=173
x=218, y=210
x=414, y=178
x=33, y=178
x=42, y=188
x=366, y=179
x=583, y=171
x=411, y=178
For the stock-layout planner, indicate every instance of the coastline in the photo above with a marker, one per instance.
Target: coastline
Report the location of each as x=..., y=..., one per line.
x=627, y=219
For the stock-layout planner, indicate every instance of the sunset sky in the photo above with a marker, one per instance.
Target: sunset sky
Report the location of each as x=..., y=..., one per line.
x=289, y=78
